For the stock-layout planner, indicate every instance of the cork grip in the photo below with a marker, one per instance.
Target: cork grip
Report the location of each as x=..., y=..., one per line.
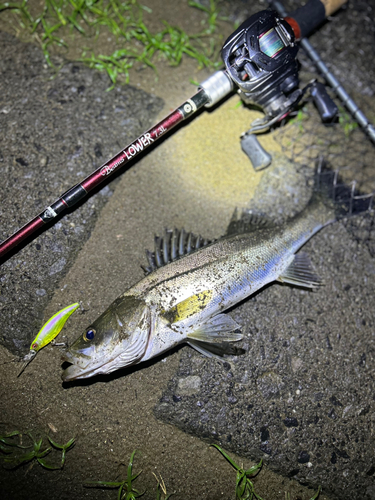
x=332, y=5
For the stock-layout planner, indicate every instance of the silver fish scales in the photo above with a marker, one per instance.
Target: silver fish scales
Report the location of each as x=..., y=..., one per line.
x=188, y=286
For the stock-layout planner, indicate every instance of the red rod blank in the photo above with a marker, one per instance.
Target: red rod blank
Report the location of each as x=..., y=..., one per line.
x=79, y=191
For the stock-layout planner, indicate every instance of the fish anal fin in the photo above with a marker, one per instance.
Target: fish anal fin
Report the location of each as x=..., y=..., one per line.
x=216, y=350
x=301, y=272
x=192, y=305
x=221, y=328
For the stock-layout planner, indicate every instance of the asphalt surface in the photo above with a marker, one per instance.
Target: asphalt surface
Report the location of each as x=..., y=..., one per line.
x=302, y=397
x=54, y=133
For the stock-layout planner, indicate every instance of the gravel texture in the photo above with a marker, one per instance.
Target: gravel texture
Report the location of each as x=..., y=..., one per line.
x=302, y=397
x=54, y=132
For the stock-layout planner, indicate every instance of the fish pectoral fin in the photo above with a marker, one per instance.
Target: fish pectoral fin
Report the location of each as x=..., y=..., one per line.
x=216, y=350
x=301, y=273
x=221, y=328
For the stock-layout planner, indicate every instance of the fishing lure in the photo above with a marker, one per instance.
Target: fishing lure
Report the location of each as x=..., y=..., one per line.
x=48, y=332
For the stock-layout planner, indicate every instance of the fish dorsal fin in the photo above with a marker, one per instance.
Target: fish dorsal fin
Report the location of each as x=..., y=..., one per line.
x=247, y=222
x=172, y=246
x=186, y=308
x=301, y=273
x=216, y=350
x=220, y=328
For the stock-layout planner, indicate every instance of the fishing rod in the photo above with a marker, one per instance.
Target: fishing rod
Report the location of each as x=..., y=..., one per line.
x=341, y=93
x=260, y=61
x=101, y=174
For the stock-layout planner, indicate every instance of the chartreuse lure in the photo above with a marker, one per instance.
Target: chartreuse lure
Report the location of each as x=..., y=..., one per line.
x=48, y=332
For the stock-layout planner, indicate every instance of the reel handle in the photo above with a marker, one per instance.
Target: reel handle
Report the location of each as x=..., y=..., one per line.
x=326, y=107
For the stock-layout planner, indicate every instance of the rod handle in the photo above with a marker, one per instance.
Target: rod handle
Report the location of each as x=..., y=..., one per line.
x=307, y=18
x=332, y=5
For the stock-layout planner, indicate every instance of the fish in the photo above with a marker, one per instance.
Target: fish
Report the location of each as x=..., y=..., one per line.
x=190, y=283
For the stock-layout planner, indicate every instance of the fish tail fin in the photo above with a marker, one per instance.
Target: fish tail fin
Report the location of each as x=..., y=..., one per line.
x=342, y=199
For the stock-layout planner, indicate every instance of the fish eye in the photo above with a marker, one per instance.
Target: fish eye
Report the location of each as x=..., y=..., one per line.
x=89, y=335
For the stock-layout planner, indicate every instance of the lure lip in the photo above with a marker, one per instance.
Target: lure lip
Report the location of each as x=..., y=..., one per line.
x=27, y=359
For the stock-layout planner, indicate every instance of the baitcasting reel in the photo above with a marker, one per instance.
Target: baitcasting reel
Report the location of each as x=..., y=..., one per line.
x=261, y=59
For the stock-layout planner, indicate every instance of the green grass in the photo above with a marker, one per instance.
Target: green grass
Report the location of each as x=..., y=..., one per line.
x=126, y=490
x=63, y=22
x=244, y=489
x=301, y=117
x=19, y=448
x=346, y=122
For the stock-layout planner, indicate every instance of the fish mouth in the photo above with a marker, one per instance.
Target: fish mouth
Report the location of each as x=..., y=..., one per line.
x=70, y=373
x=80, y=367
x=74, y=368
x=74, y=372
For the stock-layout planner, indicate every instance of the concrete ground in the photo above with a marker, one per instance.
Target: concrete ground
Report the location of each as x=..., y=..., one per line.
x=302, y=398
